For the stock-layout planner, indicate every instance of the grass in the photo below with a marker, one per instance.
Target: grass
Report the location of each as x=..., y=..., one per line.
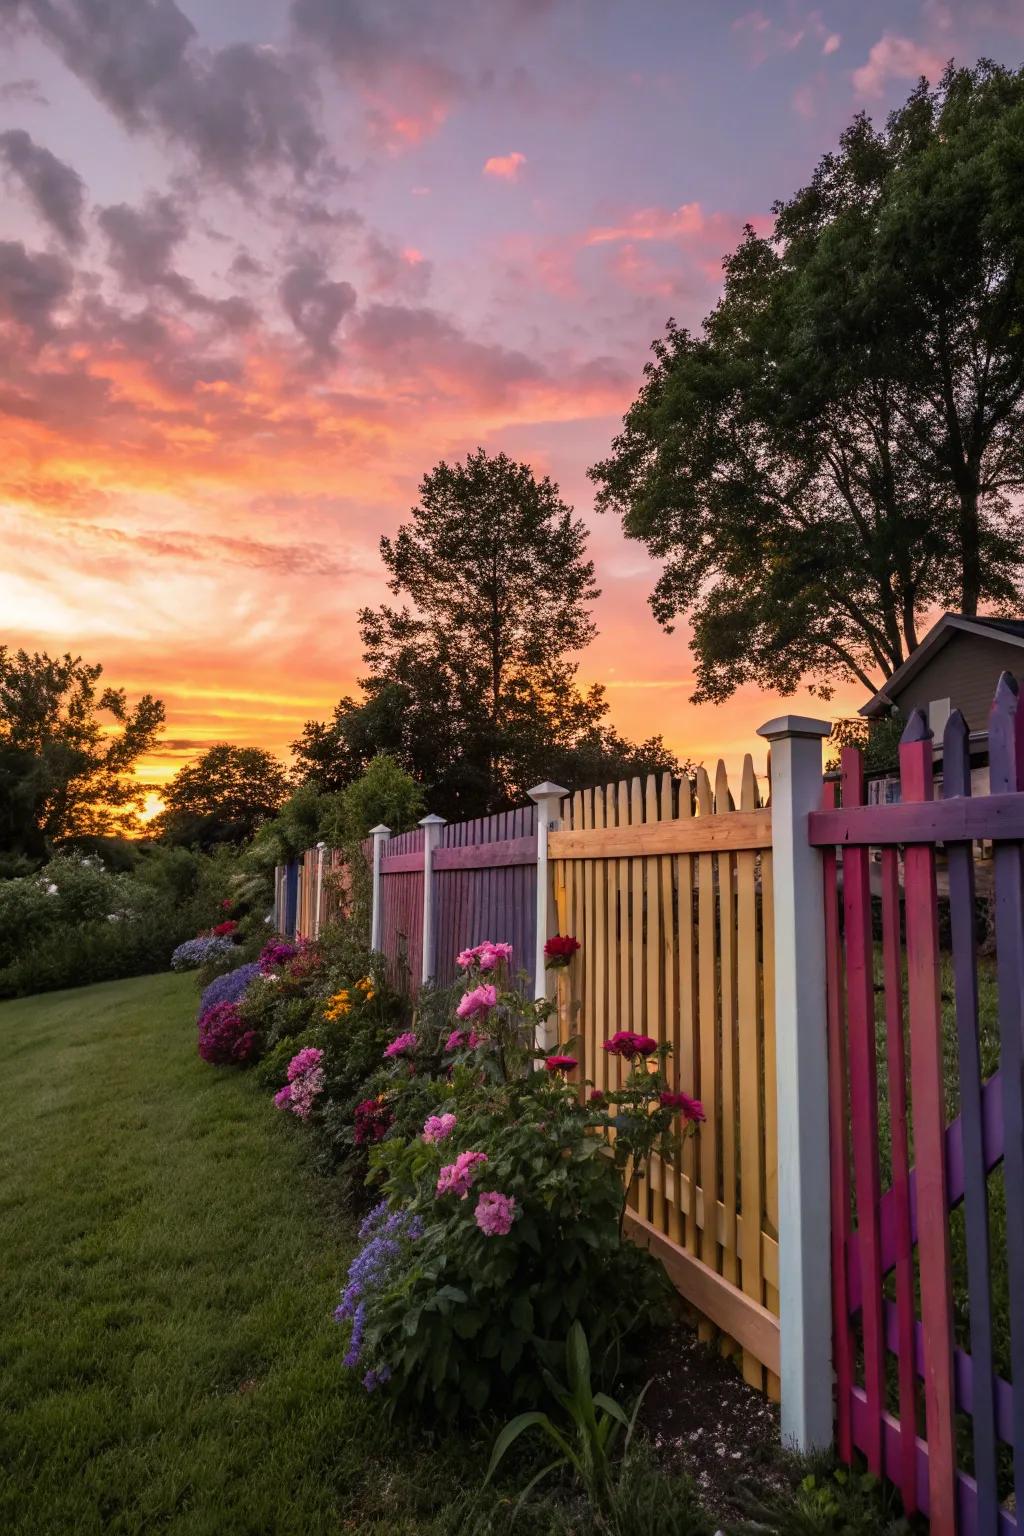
x=168, y=1361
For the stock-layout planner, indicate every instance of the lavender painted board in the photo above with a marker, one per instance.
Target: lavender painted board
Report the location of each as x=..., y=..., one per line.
x=999, y=817
x=956, y=781
x=966, y=1488
x=497, y=855
x=291, y=898
x=992, y=1141
x=401, y=863
x=964, y=1376
x=1006, y=770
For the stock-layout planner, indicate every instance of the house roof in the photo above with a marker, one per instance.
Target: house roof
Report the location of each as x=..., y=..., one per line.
x=1009, y=630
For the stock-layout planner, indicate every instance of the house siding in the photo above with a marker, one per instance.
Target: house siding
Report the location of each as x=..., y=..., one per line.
x=965, y=671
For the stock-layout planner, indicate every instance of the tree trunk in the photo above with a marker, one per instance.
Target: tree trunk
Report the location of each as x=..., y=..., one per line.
x=970, y=551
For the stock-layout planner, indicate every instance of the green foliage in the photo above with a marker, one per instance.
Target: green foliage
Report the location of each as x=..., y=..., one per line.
x=63, y=772
x=830, y=1501
x=879, y=740
x=383, y=794
x=224, y=796
x=76, y=922
x=839, y=449
x=585, y=1440
x=470, y=685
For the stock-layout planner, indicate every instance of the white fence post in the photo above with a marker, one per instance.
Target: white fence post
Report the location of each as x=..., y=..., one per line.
x=431, y=837
x=805, y=1284
x=380, y=836
x=548, y=798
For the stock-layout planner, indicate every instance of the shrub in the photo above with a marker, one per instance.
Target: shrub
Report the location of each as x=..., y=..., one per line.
x=195, y=952
x=225, y=1038
x=503, y=1213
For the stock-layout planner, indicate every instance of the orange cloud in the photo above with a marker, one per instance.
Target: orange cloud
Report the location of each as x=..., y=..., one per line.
x=505, y=167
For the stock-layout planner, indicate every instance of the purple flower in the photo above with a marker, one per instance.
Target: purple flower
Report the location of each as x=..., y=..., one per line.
x=384, y=1232
x=229, y=988
x=224, y=1037
x=195, y=952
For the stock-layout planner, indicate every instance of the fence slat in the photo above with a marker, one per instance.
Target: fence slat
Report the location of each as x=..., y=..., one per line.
x=1006, y=772
x=749, y=1060
x=956, y=780
x=929, y=1135
x=727, y=995
x=892, y=966
x=710, y=1058
x=689, y=1010
x=864, y=1104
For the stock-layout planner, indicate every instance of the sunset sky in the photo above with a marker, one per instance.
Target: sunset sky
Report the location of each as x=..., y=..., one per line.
x=263, y=264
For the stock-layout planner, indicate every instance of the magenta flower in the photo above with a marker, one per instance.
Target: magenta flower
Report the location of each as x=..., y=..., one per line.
x=463, y=1040
x=480, y=1000
x=494, y=1213
x=560, y=1063
x=626, y=1043
x=457, y=1178
x=402, y=1045
x=438, y=1127
x=282, y=1098
x=306, y=1059
x=690, y=1109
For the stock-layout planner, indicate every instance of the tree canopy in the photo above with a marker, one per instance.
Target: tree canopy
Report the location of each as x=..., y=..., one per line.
x=222, y=797
x=471, y=685
x=65, y=771
x=838, y=449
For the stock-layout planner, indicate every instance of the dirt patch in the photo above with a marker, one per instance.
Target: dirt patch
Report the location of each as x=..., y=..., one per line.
x=703, y=1419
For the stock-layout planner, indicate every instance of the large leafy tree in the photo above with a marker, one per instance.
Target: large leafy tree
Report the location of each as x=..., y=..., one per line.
x=840, y=447
x=68, y=750
x=471, y=684
x=222, y=797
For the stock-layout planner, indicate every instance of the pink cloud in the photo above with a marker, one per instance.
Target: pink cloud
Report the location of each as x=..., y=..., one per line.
x=505, y=167
x=832, y=43
x=895, y=58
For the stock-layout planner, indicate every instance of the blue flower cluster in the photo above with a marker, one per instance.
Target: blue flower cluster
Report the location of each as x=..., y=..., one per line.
x=382, y=1233
x=195, y=952
x=229, y=988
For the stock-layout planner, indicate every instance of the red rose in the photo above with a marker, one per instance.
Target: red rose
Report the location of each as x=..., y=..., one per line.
x=596, y=1096
x=628, y=1044
x=689, y=1109
x=560, y=1063
x=559, y=950
x=223, y=929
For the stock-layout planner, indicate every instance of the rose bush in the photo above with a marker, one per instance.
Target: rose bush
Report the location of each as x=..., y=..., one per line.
x=515, y=1193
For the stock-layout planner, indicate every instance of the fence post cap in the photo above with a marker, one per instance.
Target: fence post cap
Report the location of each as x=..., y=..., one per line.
x=321, y=844
x=381, y=831
x=794, y=725
x=433, y=821
x=546, y=791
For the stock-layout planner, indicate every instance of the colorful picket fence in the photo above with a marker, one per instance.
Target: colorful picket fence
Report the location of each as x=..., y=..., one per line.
x=916, y=1385
x=669, y=890
x=751, y=938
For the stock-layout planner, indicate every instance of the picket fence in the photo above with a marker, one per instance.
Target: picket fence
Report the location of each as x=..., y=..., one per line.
x=788, y=948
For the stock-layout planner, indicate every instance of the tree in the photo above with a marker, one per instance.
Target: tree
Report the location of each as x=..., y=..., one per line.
x=838, y=449
x=222, y=797
x=470, y=685
x=65, y=772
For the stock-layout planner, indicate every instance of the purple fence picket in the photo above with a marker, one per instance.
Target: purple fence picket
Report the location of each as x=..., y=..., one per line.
x=401, y=932
x=485, y=884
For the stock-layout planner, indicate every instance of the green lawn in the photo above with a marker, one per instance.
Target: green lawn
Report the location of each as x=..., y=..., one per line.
x=168, y=1360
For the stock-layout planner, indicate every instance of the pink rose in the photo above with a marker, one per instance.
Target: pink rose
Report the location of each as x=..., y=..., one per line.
x=480, y=1000
x=494, y=1213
